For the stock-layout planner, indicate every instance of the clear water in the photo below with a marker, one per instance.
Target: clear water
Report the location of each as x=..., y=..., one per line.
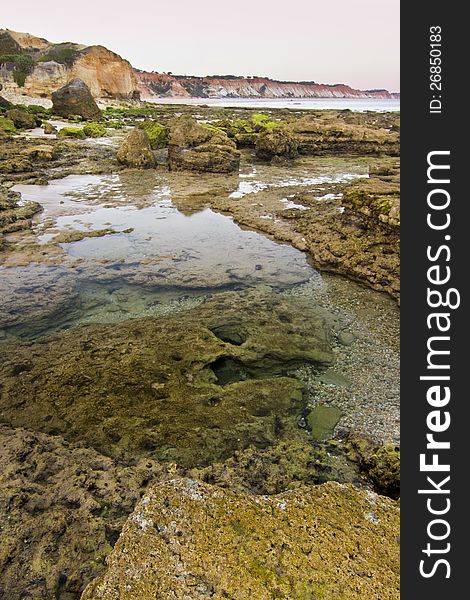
x=158, y=258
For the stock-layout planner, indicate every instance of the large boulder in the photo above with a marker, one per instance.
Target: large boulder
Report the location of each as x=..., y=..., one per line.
x=196, y=147
x=278, y=142
x=187, y=539
x=21, y=119
x=136, y=151
x=73, y=99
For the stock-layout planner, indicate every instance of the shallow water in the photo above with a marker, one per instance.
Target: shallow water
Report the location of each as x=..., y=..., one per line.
x=156, y=255
x=168, y=255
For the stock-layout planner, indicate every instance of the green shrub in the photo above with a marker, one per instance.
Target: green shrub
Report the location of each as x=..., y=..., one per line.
x=61, y=54
x=23, y=65
x=72, y=132
x=158, y=134
x=94, y=130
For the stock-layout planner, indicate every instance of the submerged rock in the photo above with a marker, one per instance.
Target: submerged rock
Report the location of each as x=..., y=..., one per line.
x=186, y=539
x=14, y=215
x=136, y=151
x=191, y=388
x=73, y=99
x=196, y=147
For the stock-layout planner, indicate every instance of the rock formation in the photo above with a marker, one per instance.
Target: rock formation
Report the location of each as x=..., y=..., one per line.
x=135, y=150
x=197, y=147
x=21, y=119
x=222, y=368
x=277, y=142
x=62, y=507
x=35, y=67
x=187, y=539
x=73, y=99
x=161, y=84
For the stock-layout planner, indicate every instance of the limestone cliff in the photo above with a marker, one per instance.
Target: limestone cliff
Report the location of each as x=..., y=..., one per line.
x=162, y=84
x=34, y=67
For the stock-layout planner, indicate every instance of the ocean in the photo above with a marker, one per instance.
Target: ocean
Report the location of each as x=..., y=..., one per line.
x=354, y=104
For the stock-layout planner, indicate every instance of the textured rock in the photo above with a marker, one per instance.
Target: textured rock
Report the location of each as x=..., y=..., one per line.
x=21, y=119
x=62, y=507
x=14, y=216
x=278, y=142
x=333, y=133
x=195, y=147
x=75, y=99
x=49, y=129
x=186, y=539
x=136, y=151
x=50, y=66
x=192, y=388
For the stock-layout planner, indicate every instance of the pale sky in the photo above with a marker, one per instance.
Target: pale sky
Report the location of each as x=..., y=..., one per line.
x=329, y=41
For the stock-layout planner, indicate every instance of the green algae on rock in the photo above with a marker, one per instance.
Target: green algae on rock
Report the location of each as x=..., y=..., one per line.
x=72, y=132
x=136, y=151
x=157, y=133
x=94, y=130
x=14, y=216
x=322, y=420
x=62, y=507
x=191, y=388
x=194, y=147
x=186, y=539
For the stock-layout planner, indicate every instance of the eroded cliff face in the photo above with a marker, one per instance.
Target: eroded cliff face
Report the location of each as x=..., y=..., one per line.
x=34, y=67
x=161, y=84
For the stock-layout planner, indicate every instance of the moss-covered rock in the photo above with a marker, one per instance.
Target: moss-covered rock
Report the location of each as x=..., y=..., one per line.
x=192, y=388
x=136, y=151
x=187, y=539
x=194, y=147
x=377, y=198
x=379, y=463
x=94, y=130
x=7, y=127
x=62, y=507
x=157, y=133
x=21, y=119
x=384, y=470
x=276, y=142
x=72, y=132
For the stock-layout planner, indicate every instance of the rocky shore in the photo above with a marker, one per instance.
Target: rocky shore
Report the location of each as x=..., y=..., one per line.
x=232, y=444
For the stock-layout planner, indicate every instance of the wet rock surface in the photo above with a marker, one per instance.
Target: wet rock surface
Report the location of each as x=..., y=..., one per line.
x=14, y=216
x=135, y=150
x=62, y=507
x=189, y=539
x=204, y=383
x=251, y=393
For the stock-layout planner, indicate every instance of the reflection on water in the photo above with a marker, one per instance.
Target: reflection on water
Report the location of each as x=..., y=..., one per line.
x=157, y=258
